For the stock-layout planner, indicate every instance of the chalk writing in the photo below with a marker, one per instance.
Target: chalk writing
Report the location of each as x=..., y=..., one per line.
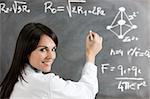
x=133, y=69
x=48, y=7
x=135, y=51
x=133, y=82
x=69, y=8
x=17, y=7
x=130, y=70
x=123, y=22
x=126, y=85
x=129, y=39
x=79, y=10
x=116, y=52
x=134, y=14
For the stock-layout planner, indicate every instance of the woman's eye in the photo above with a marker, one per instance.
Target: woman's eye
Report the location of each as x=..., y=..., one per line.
x=54, y=49
x=43, y=50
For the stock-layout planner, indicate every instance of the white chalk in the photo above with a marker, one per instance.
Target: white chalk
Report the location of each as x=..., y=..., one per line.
x=90, y=31
x=91, y=37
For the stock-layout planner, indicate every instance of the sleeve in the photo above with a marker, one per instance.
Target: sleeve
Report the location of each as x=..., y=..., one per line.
x=85, y=88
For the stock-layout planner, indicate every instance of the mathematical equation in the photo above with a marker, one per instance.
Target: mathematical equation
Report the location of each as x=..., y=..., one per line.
x=18, y=7
x=135, y=51
x=73, y=9
x=129, y=77
x=126, y=83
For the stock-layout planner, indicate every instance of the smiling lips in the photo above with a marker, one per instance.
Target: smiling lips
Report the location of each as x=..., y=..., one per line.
x=48, y=62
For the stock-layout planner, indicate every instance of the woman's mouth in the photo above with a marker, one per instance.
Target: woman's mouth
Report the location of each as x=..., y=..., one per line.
x=47, y=62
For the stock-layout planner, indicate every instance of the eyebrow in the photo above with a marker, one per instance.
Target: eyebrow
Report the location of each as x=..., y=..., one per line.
x=43, y=46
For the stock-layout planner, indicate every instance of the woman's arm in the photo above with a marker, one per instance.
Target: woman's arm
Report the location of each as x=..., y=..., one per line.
x=93, y=46
x=87, y=86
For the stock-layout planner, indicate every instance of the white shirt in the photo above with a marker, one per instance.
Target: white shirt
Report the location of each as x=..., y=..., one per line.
x=50, y=86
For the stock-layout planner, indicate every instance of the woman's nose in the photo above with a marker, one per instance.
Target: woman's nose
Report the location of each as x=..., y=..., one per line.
x=50, y=55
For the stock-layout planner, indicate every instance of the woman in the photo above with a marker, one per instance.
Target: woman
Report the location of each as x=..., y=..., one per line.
x=34, y=54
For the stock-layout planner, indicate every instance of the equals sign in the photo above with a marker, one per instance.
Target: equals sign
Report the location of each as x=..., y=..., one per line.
x=60, y=8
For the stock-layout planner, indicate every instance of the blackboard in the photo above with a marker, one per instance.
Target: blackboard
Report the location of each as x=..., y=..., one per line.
x=124, y=62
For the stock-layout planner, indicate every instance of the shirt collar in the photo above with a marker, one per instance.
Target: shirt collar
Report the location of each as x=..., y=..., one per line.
x=30, y=69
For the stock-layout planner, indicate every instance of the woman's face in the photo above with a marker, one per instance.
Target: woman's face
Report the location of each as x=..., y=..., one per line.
x=44, y=55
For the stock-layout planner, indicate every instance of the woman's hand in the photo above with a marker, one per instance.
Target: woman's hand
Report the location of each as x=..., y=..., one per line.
x=93, y=46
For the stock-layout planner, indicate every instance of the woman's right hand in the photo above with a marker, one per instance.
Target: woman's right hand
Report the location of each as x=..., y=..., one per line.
x=93, y=46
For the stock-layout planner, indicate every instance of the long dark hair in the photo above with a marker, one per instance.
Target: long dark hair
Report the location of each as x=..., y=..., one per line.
x=27, y=42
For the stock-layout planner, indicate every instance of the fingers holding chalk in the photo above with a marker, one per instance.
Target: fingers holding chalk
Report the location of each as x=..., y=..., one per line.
x=91, y=36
